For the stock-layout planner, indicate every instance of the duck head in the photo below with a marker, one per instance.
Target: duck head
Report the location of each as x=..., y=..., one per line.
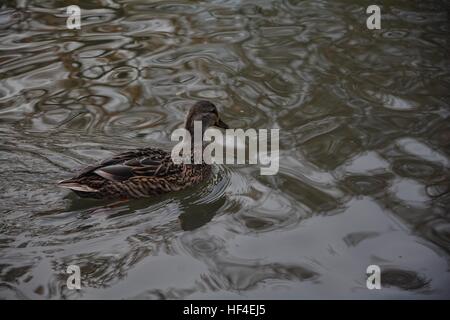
x=205, y=112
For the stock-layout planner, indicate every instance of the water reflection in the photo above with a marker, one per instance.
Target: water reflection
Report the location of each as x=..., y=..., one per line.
x=364, y=163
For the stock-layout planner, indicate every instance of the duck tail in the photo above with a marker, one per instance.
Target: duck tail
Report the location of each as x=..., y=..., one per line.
x=76, y=186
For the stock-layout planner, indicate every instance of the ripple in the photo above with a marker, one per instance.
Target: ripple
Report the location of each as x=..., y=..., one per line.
x=172, y=7
x=403, y=279
x=230, y=37
x=439, y=189
x=415, y=168
x=34, y=93
x=438, y=231
x=242, y=275
x=353, y=239
x=90, y=53
x=395, y=34
x=108, y=29
x=269, y=210
x=365, y=185
x=94, y=72
x=121, y=76
x=133, y=121
x=206, y=246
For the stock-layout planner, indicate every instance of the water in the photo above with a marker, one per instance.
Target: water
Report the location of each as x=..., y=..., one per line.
x=364, y=138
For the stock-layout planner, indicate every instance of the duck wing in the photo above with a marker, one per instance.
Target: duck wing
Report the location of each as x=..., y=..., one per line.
x=148, y=162
x=143, y=166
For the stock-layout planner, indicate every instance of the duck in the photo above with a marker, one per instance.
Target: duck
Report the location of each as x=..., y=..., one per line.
x=145, y=172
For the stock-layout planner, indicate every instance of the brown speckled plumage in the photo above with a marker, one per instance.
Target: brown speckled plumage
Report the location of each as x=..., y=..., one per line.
x=144, y=172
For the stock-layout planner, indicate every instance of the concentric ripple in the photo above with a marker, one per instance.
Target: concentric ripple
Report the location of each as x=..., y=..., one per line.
x=403, y=279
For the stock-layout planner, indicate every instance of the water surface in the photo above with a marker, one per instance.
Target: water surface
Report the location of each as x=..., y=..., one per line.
x=364, y=138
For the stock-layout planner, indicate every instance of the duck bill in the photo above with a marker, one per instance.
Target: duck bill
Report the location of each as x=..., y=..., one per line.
x=222, y=124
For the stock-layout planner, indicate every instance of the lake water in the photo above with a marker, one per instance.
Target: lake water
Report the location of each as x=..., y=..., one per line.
x=364, y=149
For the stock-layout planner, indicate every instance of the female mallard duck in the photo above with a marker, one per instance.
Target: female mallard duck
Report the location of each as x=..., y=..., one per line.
x=145, y=172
